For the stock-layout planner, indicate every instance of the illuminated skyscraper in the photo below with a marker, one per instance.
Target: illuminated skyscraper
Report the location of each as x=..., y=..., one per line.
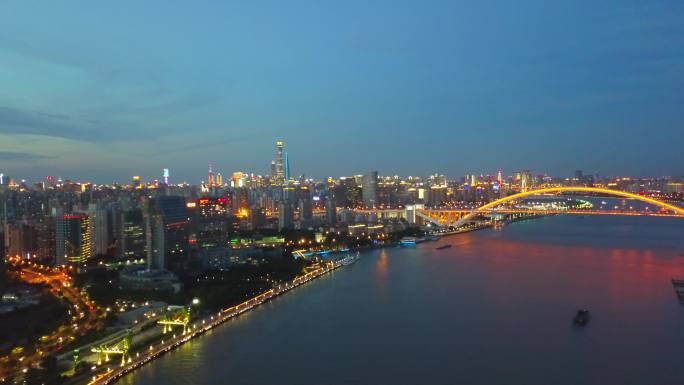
x=72, y=235
x=210, y=176
x=279, y=163
x=132, y=238
x=287, y=169
x=273, y=171
x=165, y=174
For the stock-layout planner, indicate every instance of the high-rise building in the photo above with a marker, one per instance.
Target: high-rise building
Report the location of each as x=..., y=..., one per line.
x=330, y=211
x=279, y=163
x=257, y=217
x=437, y=195
x=21, y=239
x=169, y=221
x=285, y=215
x=287, y=169
x=526, y=180
x=72, y=238
x=305, y=209
x=210, y=176
x=132, y=238
x=579, y=175
x=166, y=175
x=99, y=229
x=369, y=189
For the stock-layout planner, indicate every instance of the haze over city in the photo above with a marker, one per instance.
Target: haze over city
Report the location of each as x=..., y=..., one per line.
x=105, y=91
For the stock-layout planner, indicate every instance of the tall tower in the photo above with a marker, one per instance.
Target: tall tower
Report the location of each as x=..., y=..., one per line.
x=273, y=171
x=287, y=169
x=165, y=174
x=280, y=165
x=210, y=176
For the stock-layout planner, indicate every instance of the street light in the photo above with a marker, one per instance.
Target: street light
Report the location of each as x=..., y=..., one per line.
x=195, y=301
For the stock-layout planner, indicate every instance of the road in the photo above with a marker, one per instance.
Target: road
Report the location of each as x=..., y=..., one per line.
x=85, y=316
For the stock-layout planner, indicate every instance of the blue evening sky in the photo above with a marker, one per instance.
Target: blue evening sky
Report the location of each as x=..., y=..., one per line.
x=107, y=89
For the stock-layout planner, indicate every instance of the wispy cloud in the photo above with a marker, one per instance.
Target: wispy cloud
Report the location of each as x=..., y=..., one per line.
x=18, y=121
x=10, y=156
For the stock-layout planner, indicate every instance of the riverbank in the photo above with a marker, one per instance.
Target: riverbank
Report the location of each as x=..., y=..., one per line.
x=415, y=311
x=208, y=323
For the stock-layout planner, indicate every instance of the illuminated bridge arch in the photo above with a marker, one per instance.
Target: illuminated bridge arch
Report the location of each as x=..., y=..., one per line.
x=551, y=190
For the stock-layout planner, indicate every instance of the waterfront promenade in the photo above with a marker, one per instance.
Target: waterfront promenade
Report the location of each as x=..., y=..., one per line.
x=198, y=328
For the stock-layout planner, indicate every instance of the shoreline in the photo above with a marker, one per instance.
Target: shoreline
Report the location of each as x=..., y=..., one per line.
x=200, y=327
x=113, y=375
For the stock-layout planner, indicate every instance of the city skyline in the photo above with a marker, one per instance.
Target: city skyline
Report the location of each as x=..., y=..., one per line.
x=442, y=88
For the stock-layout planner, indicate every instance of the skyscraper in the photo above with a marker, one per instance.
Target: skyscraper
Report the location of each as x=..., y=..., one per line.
x=132, y=238
x=330, y=211
x=285, y=215
x=72, y=236
x=369, y=189
x=279, y=163
x=305, y=210
x=99, y=229
x=287, y=169
x=210, y=176
x=169, y=222
x=273, y=171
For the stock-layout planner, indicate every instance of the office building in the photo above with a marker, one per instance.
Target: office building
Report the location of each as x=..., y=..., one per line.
x=285, y=215
x=369, y=189
x=99, y=228
x=132, y=238
x=330, y=211
x=72, y=238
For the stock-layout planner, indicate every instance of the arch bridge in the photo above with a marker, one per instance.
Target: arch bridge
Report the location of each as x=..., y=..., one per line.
x=676, y=210
x=460, y=217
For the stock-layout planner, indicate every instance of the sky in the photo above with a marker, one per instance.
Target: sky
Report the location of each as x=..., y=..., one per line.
x=102, y=91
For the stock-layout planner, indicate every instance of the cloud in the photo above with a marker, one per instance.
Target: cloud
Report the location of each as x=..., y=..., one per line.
x=10, y=156
x=17, y=121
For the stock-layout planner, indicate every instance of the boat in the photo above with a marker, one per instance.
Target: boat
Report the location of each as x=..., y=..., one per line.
x=411, y=241
x=443, y=247
x=582, y=317
x=349, y=259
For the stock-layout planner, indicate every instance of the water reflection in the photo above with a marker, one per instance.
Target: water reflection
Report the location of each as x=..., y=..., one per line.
x=496, y=308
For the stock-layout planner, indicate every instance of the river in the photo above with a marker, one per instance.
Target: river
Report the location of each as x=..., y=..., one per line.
x=496, y=308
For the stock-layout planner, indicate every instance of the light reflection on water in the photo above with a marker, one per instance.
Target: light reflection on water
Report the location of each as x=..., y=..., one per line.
x=496, y=308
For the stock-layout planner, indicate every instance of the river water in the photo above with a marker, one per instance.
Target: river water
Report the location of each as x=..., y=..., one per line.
x=496, y=308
